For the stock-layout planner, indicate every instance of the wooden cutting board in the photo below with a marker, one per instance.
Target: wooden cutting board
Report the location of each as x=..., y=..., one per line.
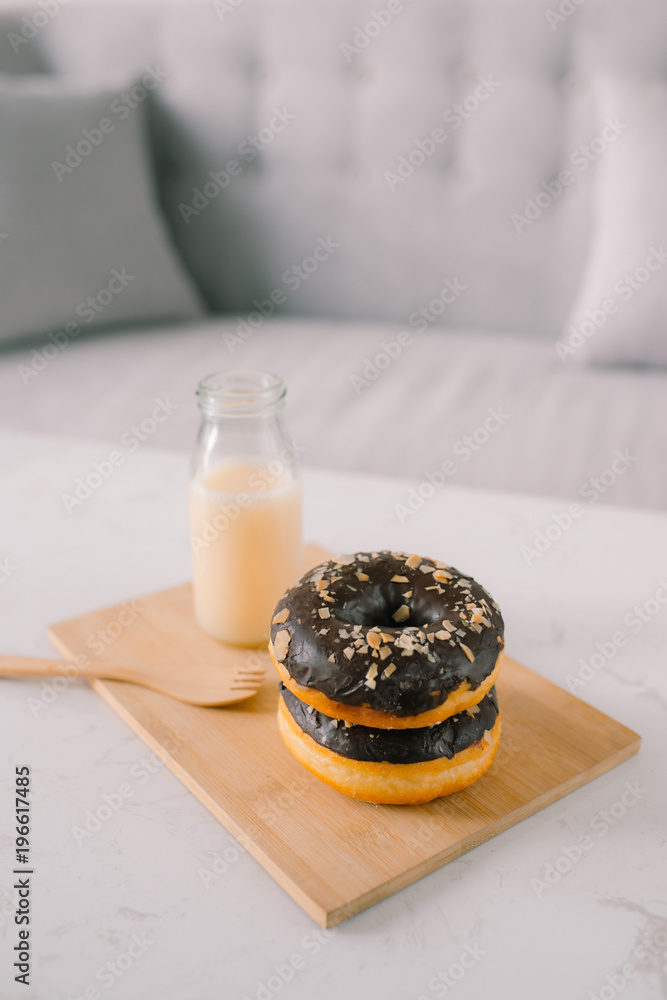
x=333, y=855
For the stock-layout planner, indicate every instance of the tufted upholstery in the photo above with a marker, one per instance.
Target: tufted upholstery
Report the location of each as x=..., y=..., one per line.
x=355, y=116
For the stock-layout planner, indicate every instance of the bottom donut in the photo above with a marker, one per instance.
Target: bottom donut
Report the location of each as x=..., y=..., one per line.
x=383, y=782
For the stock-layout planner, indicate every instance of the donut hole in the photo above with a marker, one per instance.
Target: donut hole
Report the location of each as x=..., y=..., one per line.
x=375, y=606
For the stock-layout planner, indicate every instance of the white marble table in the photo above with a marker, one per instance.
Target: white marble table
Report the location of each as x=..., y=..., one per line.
x=129, y=912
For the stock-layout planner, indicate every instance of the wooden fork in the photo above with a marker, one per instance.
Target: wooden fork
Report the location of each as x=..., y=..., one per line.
x=196, y=683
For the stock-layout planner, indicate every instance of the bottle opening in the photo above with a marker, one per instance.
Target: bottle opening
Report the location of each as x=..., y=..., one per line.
x=240, y=393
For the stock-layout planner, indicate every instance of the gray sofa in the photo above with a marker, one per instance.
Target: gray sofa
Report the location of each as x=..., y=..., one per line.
x=414, y=323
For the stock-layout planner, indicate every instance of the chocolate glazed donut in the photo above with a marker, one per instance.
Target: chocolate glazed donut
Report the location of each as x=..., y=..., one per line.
x=387, y=639
x=396, y=746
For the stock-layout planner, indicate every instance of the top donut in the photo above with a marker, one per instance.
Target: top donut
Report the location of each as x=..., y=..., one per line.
x=388, y=630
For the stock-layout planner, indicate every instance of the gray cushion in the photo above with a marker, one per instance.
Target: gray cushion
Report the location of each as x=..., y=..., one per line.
x=619, y=313
x=82, y=242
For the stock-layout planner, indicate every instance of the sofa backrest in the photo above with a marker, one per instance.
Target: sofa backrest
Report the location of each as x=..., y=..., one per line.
x=396, y=160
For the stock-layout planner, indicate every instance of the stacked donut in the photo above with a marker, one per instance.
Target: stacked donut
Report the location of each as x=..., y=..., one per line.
x=387, y=663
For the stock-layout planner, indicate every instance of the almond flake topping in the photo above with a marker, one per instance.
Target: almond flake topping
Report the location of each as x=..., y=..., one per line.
x=441, y=576
x=402, y=613
x=473, y=710
x=331, y=659
x=321, y=585
x=386, y=637
x=324, y=613
x=389, y=670
x=361, y=576
x=468, y=653
x=374, y=640
x=407, y=594
x=385, y=652
x=413, y=562
x=488, y=738
x=399, y=579
x=442, y=634
x=281, y=645
x=281, y=617
x=371, y=675
x=349, y=652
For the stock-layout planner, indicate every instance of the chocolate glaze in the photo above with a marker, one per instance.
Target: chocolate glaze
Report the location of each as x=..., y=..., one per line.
x=316, y=657
x=396, y=746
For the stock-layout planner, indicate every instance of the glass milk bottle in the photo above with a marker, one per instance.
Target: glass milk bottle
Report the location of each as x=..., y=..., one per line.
x=245, y=506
